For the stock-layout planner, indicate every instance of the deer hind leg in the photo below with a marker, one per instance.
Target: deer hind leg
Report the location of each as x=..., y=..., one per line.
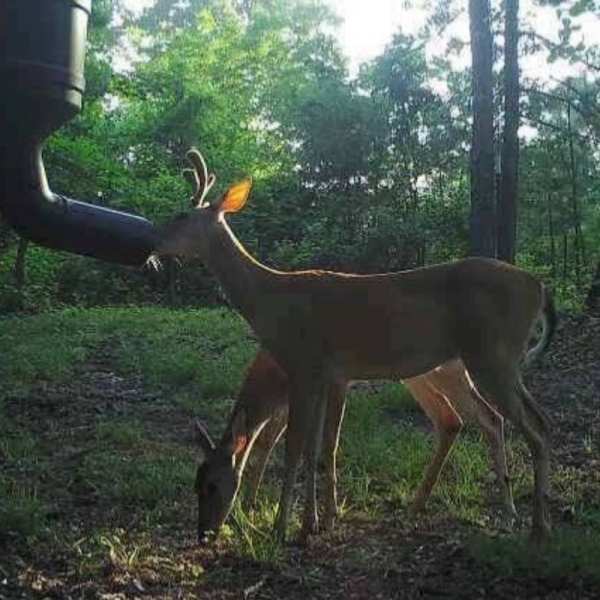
x=451, y=380
x=538, y=430
x=267, y=440
x=491, y=423
x=447, y=423
x=502, y=386
x=336, y=400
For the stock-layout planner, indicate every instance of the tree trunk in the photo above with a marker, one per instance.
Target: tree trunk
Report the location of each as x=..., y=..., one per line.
x=507, y=208
x=552, y=236
x=593, y=295
x=482, y=219
x=579, y=244
x=565, y=260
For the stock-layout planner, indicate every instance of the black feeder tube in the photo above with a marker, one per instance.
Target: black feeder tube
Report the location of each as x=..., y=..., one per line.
x=42, y=51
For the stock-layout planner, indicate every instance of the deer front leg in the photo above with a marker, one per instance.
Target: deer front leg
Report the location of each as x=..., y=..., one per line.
x=310, y=523
x=267, y=440
x=301, y=425
x=336, y=400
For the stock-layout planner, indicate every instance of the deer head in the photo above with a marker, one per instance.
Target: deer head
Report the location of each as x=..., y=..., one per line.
x=217, y=479
x=189, y=234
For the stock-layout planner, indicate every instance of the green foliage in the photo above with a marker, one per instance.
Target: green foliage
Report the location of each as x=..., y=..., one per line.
x=366, y=174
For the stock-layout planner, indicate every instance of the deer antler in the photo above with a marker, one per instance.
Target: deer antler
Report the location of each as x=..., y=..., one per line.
x=199, y=174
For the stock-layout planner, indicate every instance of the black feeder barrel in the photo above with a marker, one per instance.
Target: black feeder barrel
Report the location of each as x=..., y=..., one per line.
x=42, y=54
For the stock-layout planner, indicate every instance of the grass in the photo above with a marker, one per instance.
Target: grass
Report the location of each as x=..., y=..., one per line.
x=128, y=555
x=198, y=358
x=22, y=514
x=148, y=480
x=383, y=456
x=17, y=445
x=571, y=555
x=22, y=464
x=118, y=433
x=207, y=348
x=191, y=363
x=251, y=533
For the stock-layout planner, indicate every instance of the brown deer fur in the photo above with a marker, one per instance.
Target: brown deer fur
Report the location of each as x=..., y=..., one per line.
x=322, y=327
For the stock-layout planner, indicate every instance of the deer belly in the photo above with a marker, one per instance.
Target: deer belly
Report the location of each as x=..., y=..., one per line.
x=390, y=358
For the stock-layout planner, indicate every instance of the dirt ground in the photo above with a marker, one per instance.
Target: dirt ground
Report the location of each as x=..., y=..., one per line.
x=391, y=557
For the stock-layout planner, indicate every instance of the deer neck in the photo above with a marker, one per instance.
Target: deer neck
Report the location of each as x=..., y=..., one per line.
x=241, y=276
x=241, y=457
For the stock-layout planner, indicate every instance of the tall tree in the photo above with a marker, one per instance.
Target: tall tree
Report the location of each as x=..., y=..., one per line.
x=507, y=204
x=482, y=239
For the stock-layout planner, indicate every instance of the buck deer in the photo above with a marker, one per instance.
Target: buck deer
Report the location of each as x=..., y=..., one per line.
x=259, y=417
x=322, y=327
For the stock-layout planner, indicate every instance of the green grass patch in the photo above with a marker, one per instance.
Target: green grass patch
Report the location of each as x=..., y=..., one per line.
x=150, y=480
x=571, y=555
x=21, y=513
x=214, y=409
x=204, y=349
x=589, y=517
x=46, y=347
x=208, y=349
x=17, y=446
x=118, y=433
x=251, y=533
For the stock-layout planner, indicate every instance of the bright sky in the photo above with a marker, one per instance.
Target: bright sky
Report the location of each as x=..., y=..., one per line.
x=368, y=26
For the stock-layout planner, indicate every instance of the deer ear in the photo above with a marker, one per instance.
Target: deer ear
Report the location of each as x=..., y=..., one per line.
x=239, y=437
x=202, y=438
x=236, y=197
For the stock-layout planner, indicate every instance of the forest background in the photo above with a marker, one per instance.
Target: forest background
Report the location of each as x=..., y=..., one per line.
x=411, y=158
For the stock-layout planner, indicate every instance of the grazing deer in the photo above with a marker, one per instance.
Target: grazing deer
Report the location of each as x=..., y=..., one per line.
x=322, y=327
x=259, y=418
